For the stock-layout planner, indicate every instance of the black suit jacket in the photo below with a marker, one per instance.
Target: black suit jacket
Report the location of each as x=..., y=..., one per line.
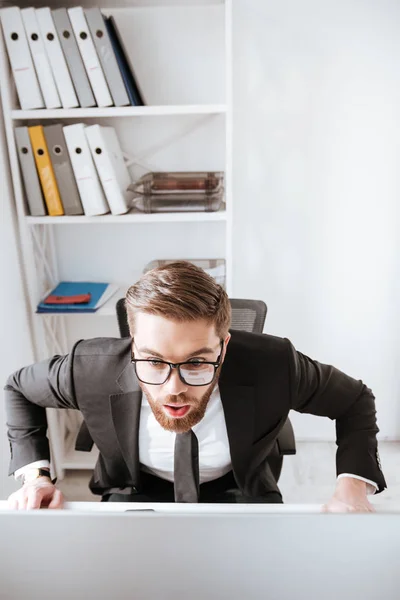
x=262, y=379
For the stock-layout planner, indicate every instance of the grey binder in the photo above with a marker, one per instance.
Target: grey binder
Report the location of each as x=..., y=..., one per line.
x=73, y=58
x=106, y=56
x=33, y=189
x=63, y=172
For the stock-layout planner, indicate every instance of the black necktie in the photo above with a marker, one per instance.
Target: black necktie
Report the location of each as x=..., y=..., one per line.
x=186, y=467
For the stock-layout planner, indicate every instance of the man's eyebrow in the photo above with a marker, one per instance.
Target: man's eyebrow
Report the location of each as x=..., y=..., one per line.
x=204, y=350
x=146, y=350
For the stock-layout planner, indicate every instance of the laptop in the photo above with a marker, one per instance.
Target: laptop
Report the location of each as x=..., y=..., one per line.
x=151, y=555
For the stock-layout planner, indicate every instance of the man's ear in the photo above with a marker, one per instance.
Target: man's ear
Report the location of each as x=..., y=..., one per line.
x=226, y=342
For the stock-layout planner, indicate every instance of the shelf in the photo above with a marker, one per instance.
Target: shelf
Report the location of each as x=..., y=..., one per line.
x=131, y=217
x=122, y=111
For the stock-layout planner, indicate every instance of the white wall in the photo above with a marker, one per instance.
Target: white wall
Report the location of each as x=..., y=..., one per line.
x=317, y=182
x=15, y=347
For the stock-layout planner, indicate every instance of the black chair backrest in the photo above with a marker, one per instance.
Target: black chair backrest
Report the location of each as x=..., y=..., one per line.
x=247, y=315
x=122, y=318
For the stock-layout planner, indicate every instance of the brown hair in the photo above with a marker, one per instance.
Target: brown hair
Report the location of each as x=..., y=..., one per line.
x=180, y=291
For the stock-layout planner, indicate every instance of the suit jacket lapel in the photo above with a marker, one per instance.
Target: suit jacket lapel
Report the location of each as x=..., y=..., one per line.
x=238, y=404
x=125, y=413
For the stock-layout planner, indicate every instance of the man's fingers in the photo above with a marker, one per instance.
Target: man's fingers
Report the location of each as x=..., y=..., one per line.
x=13, y=502
x=34, y=499
x=337, y=506
x=57, y=501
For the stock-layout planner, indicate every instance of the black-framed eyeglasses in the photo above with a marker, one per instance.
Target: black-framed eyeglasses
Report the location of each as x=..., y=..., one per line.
x=155, y=371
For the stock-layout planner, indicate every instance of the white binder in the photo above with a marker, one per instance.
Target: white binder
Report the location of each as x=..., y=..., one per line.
x=56, y=58
x=24, y=74
x=111, y=167
x=90, y=190
x=89, y=56
x=39, y=55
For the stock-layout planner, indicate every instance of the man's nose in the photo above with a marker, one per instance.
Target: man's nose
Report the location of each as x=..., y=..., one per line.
x=175, y=385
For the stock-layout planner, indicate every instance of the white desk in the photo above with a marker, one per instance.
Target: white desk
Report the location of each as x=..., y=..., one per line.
x=171, y=507
x=262, y=551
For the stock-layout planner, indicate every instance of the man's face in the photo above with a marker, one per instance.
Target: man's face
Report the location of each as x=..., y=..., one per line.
x=176, y=405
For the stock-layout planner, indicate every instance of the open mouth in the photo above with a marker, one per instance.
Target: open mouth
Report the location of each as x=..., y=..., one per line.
x=177, y=411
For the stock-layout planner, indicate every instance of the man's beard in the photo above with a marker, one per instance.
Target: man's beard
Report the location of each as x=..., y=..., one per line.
x=194, y=416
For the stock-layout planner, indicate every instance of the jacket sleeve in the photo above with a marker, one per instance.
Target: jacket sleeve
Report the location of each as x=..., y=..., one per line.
x=323, y=390
x=28, y=392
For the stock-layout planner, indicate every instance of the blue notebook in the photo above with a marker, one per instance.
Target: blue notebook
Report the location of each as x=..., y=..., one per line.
x=100, y=293
x=132, y=88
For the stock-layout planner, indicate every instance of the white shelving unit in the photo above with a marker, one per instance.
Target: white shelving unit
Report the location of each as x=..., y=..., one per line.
x=181, y=52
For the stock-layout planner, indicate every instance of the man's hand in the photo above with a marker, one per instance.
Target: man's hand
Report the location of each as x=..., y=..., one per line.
x=40, y=493
x=350, y=496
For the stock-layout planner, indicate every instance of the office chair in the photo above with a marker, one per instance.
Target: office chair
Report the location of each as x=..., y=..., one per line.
x=247, y=315
x=250, y=315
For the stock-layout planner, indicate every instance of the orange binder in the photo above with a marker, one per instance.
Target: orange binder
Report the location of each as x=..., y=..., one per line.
x=45, y=171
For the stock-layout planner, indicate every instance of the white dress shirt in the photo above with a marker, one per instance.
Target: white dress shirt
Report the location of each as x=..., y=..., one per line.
x=156, y=446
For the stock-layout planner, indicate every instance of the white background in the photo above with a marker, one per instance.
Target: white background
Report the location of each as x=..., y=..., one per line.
x=317, y=184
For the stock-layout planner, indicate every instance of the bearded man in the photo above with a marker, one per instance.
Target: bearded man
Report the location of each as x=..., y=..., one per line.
x=185, y=410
